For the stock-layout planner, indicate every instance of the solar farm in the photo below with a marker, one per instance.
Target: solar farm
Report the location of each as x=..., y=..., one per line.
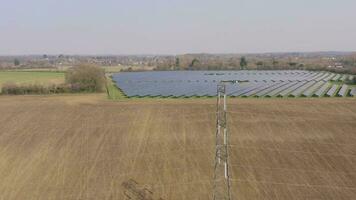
x=86, y=146
x=281, y=83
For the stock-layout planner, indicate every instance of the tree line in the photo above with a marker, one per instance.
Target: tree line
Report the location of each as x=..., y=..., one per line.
x=346, y=65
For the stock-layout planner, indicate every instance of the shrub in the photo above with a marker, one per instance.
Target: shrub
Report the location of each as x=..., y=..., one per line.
x=15, y=89
x=58, y=89
x=86, y=78
x=12, y=88
x=9, y=88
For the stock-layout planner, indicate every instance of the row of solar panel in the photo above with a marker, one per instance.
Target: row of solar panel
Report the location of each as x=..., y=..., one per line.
x=194, y=77
x=261, y=83
x=157, y=76
x=269, y=89
x=353, y=92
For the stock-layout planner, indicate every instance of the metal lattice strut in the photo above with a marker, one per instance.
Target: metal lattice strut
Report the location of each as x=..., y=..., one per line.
x=221, y=171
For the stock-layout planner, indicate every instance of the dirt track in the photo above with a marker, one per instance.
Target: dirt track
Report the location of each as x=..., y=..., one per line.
x=84, y=147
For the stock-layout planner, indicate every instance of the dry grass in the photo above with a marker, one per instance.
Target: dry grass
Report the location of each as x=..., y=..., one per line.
x=85, y=147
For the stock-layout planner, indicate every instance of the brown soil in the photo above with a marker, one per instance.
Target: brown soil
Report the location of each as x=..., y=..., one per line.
x=85, y=147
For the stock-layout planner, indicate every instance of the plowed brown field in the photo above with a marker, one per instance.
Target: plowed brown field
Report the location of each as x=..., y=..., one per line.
x=85, y=147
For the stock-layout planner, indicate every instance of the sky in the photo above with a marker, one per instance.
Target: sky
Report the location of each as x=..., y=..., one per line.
x=175, y=26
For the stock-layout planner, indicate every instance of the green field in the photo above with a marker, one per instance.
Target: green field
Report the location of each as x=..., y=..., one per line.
x=31, y=77
x=114, y=93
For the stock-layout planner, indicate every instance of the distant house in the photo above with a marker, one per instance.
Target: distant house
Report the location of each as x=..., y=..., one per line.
x=337, y=65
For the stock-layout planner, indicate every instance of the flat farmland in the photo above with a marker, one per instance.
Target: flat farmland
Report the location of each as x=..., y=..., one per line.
x=31, y=77
x=85, y=147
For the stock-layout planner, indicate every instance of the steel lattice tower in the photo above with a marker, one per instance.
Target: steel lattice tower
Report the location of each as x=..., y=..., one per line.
x=221, y=171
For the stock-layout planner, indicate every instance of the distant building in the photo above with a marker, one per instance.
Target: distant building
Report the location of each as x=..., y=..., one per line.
x=337, y=65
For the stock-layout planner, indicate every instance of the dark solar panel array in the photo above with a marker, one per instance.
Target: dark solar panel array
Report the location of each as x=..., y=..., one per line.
x=322, y=90
x=280, y=83
x=287, y=91
x=336, y=78
x=332, y=90
x=342, y=91
x=328, y=78
x=343, y=78
x=276, y=91
x=269, y=89
x=311, y=89
x=298, y=91
x=323, y=75
x=353, y=92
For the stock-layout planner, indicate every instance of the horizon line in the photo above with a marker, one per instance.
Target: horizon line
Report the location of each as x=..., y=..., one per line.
x=157, y=54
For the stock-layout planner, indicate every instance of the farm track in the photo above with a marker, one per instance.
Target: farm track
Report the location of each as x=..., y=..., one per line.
x=85, y=147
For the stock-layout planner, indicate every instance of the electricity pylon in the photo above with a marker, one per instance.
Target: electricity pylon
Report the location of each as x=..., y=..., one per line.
x=221, y=171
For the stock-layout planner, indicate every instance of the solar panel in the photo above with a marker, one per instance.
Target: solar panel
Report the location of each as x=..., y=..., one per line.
x=246, y=90
x=290, y=89
x=322, y=77
x=314, y=76
x=269, y=89
x=332, y=91
x=310, y=90
x=336, y=78
x=343, y=78
x=240, y=87
x=353, y=92
x=328, y=78
x=204, y=83
x=306, y=76
x=321, y=90
x=258, y=89
x=276, y=91
x=298, y=91
x=342, y=91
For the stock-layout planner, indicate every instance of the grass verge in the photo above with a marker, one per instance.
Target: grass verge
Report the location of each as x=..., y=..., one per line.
x=113, y=92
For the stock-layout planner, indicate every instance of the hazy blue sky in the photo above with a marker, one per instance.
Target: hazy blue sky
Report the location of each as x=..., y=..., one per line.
x=175, y=26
